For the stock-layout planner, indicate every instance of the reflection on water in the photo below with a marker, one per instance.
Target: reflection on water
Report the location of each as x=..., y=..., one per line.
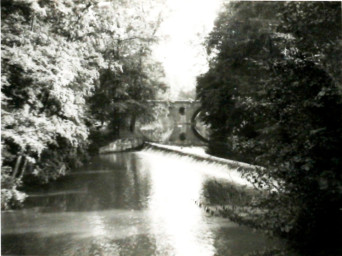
x=172, y=208
x=140, y=203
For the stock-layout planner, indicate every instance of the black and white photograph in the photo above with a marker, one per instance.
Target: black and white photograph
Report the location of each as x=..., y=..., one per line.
x=171, y=128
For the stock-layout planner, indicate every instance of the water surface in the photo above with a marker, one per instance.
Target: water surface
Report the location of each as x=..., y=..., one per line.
x=136, y=203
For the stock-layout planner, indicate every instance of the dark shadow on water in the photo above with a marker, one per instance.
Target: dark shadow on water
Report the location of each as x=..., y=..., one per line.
x=66, y=244
x=232, y=241
x=226, y=193
x=117, y=184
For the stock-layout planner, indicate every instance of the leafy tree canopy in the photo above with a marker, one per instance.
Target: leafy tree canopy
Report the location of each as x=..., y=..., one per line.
x=272, y=96
x=56, y=55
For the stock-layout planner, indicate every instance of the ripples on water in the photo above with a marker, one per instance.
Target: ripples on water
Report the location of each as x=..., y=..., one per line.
x=137, y=203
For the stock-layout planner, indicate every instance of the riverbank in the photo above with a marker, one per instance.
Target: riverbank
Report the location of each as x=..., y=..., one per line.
x=122, y=145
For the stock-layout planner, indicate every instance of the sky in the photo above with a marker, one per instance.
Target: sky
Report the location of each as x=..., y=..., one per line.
x=181, y=50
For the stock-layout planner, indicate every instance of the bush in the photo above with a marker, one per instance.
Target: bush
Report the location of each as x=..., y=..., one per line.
x=10, y=196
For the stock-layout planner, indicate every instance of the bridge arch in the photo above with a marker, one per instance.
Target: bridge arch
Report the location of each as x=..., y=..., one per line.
x=194, y=121
x=183, y=123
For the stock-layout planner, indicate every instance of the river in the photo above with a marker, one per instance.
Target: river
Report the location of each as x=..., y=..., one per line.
x=135, y=203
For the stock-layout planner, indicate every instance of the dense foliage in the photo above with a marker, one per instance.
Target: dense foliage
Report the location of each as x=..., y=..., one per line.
x=272, y=96
x=59, y=57
x=132, y=76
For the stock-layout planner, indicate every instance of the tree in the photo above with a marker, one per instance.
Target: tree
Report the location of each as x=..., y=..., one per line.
x=46, y=74
x=317, y=33
x=278, y=104
x=240, y=49
x=54, y=56
x=121, y=94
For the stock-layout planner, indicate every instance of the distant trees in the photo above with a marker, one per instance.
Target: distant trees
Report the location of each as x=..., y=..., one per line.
x=59, y=57
x=272, y=95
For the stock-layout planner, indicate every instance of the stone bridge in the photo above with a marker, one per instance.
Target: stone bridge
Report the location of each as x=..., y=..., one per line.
x=181, y=125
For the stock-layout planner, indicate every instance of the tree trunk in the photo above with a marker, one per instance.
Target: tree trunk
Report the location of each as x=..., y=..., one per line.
x=23, y=169
x=132, y=124
x=16, y=168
